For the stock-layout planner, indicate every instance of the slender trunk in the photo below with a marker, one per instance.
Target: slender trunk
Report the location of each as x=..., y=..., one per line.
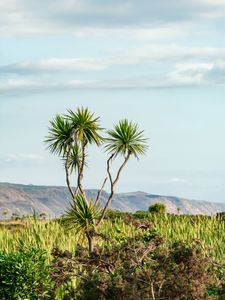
x=113, y=183
x=67, y=176
x=99, y=192
x=90, y=243
x=81, y=170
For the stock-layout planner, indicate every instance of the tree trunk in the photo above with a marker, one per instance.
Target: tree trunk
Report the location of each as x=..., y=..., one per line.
x=67, y=176
x=81, y=171
x=112, y=183
x=90, y=243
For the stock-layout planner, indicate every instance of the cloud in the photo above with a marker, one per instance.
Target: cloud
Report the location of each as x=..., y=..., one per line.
x=187, y=74
x=202, y=74
x=55, y=64
x=217, y=72
x=35, y=17
x=22, y=159
x=156, y=54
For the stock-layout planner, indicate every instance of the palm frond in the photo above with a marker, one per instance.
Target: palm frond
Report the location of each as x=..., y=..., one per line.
x=73, y=158
x=126, y=138
x=59, y=137
x=85, y=125
x=81, y=214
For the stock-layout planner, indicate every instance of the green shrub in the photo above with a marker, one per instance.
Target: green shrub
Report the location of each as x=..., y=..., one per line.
x=140, y=268
x=24, y=275
x=158, y=208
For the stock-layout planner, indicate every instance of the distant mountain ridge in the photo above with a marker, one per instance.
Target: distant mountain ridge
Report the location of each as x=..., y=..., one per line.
x=53, y=200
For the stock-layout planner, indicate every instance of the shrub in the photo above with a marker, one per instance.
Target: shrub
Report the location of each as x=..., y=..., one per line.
x=157, y=208
x=24, y=275
x=142, y=268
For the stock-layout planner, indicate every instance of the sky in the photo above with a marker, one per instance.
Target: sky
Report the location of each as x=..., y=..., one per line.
x=158, y=63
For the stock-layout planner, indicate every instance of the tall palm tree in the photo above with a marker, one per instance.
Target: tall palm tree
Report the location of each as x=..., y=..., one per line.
x=60, y=142
x=68, y=138
x=85, y=130
x=126, y=140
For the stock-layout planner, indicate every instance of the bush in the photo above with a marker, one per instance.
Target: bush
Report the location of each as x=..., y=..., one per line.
x=143, y=268
x=24, y=275
x=158, y=208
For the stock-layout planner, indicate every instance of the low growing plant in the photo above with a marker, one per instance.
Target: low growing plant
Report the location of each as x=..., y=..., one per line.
x=25, y=275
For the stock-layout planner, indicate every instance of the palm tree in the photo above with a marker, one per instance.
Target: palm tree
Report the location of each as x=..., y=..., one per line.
x=68, y=138
x=126, y=140
x=60, y=142
x=85, y=130
x=82, y=216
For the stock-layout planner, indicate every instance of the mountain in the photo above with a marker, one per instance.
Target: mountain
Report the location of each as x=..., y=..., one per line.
x=53, y=200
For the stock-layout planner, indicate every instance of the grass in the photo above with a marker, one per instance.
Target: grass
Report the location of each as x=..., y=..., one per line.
x=49, y=234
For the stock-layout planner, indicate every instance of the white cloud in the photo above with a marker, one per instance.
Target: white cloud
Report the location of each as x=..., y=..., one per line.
x=182, y=75
x=32, y=17
x=22, y=158
x=55, y=64
x=145, y=55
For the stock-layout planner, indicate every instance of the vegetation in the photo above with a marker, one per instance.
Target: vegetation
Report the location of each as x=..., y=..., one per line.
x=173, y=244
x=69, y=137
x=25, y=275
x=147, y=255
x=158, y=208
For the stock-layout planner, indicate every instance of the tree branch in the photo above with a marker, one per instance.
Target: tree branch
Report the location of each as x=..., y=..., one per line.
x=67, y=176
x=99, y=192
x=113, y=184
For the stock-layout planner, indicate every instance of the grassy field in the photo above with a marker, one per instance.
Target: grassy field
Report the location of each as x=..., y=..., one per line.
x=18, y=238
x=46, y=235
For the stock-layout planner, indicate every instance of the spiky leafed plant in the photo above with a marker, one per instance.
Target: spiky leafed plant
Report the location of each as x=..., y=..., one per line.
x=59, y=139
x=126, y=140
x=85, y=126
x=68, y=138
x=60, y=142
x=85, y=130
x=82, y=215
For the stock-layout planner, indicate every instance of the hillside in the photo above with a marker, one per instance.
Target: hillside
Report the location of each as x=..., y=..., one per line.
x=53, y=200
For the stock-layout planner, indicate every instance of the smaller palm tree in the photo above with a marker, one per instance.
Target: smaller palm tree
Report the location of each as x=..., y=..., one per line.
x=126, y=140
x=82, y=216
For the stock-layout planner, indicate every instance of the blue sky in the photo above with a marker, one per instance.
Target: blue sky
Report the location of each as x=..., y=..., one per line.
x=159, y=63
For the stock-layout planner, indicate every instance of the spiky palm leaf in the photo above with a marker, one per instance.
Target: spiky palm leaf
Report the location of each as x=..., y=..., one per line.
x=126, y=138
x=59, y=139
x=85, y=126
x=82, y=214
x=73, y=158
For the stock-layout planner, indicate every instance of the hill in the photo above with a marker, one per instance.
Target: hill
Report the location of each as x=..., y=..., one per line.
x=53, y=200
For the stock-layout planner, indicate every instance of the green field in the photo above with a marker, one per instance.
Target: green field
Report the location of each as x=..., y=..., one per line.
x=23, y=235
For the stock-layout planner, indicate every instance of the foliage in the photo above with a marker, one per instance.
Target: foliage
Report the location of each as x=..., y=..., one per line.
x=123, y=229
x=126, y=138
x=24, y=275
x=81, y=215
x=142, y=268
x=158, y=208
x=69, y=137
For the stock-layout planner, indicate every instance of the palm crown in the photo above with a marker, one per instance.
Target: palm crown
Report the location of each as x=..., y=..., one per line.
x=126, y=138
x=85, y=126
x=82, y=214
x=59, y=139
